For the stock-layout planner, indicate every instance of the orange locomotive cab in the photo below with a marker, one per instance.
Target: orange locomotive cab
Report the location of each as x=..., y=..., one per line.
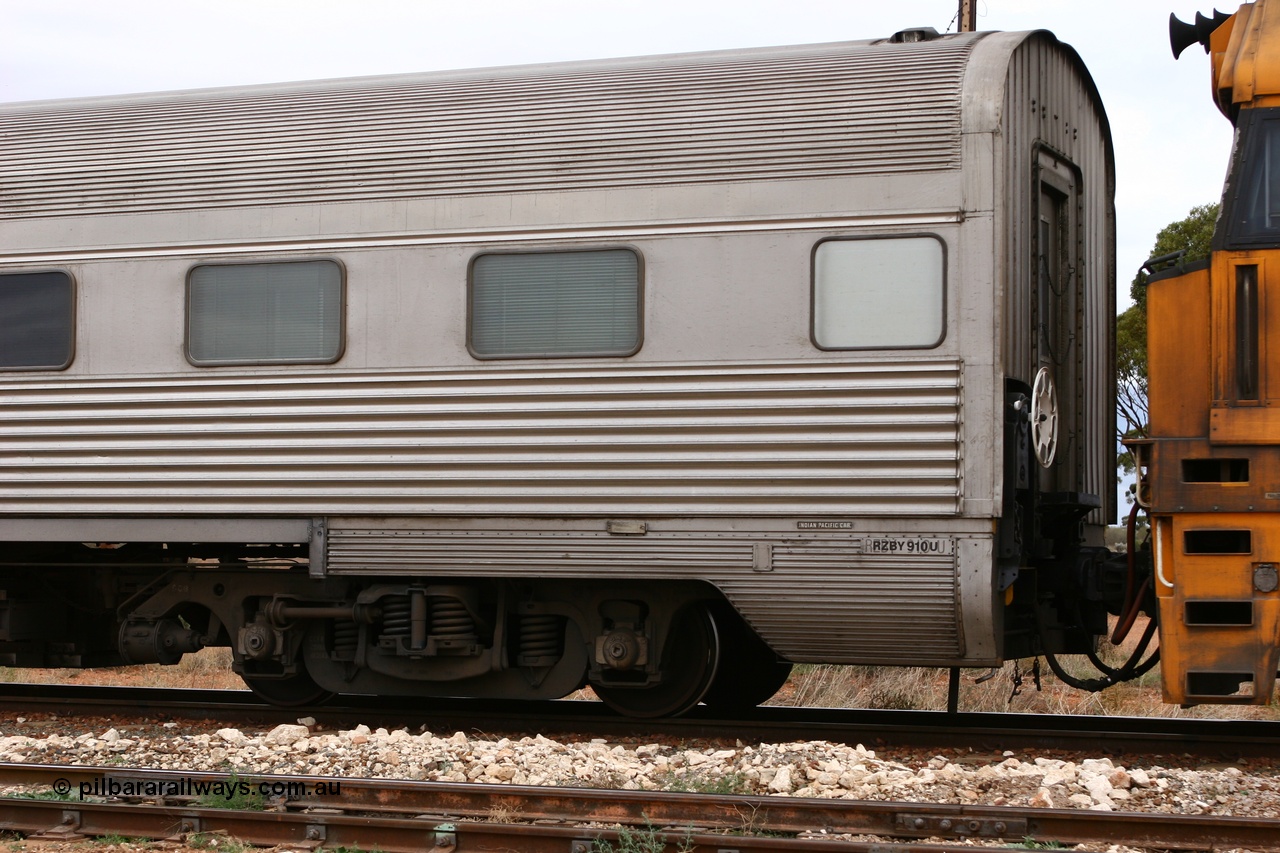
x=1212, y=480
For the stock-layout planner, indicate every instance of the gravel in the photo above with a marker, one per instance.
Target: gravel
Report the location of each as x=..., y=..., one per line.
x=803, y=769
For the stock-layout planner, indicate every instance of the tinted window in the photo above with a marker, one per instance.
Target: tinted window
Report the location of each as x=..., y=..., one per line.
x=555, y=304
x=1255, y=179
x=881, y=294
x=265, y=313
x=37, y=328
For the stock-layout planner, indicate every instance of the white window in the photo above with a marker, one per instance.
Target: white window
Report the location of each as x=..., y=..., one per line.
x=37, y=321
x=548, y=304
x=878, y=293
x=276, y=313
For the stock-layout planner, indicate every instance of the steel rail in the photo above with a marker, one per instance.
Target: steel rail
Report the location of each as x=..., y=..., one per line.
x=46, y=820
x=935, y=729
x=470, y=805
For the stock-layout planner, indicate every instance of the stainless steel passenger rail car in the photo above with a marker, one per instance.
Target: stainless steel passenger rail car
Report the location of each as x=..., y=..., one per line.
x=657, y=374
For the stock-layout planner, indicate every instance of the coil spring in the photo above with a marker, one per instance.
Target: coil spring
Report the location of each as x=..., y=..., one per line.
x=346, y=635
x=449, y=618
x=395, y=616
x=541, y=636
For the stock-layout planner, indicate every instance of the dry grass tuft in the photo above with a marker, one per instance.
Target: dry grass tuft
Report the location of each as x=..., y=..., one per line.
x=1011, y=688
x=209, y=668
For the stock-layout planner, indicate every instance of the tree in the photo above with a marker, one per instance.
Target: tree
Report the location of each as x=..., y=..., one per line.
x=1192, y=235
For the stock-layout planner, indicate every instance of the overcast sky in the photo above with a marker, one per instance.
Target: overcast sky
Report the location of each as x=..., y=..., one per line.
x=1171, y=143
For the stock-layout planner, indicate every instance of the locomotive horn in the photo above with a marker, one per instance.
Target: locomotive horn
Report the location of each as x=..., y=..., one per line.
x=1182, y=35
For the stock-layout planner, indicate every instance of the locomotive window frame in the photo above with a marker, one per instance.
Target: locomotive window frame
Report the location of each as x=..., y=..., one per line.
x=45, y=326
x=329, y=332
x=484, y=343
x=824, y=296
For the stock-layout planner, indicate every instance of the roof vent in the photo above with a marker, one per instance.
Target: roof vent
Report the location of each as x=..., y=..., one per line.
x=913, y=35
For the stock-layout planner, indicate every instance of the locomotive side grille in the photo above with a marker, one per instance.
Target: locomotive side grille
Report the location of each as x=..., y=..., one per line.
x=775, y=439
x=820, y=111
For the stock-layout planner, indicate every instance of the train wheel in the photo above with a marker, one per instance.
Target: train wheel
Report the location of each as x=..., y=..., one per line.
x=749, y=671
x=689, y=660
x=292, y=692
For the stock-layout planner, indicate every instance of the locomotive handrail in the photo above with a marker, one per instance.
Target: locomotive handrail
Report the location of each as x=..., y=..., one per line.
x=1168, y=260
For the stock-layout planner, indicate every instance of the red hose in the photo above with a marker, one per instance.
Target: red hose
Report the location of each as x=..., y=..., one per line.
x=1132, y=603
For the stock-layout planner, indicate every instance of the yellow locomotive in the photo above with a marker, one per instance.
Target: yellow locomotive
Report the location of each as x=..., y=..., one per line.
x=1209, y=473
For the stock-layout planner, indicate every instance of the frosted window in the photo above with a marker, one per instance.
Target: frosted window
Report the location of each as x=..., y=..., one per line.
x=871, y=294
x=36, y=321
x=265, y=313
x=555, y=304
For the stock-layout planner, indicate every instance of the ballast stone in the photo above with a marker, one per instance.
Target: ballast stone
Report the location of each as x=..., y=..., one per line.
x=286, y=734
x=806, y=769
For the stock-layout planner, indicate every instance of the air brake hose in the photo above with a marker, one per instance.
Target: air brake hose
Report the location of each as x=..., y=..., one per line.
x=1132, y=603
x=1113, y=676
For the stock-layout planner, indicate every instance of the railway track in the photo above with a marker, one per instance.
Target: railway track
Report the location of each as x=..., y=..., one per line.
x=413, y=816
x=1106, y=735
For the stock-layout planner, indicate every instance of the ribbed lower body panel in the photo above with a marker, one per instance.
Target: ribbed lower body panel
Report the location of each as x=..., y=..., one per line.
x=812, y=599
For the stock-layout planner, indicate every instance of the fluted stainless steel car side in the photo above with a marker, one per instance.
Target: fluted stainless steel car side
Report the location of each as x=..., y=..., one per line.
x=862, y=439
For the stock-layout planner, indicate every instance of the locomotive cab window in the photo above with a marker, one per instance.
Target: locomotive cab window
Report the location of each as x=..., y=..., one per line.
x=37, y=327
x=878, y=293
x=555, y=304
x=1255, y=180
x=273, y=313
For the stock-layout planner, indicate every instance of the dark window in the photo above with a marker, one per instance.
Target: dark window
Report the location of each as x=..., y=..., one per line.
x=549, y=304
x=277, y=313
x=1254, y=184
x=37, y=328
x=1246, y=332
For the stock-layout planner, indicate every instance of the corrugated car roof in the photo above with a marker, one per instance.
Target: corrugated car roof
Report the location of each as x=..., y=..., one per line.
x=825, y=110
